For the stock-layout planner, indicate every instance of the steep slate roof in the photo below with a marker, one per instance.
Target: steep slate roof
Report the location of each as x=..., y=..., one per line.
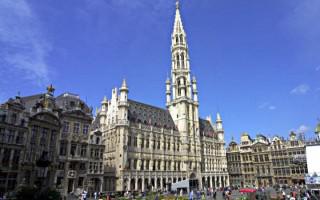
x=149, y=114
x=30, y=101
x=64, y=101
x=206, y=128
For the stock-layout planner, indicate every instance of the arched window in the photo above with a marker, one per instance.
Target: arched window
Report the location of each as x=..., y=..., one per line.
x=97, y=140
x=177, y=39
x=181, y=39
x=182, y=60
x=179, y=92
x=178, y=61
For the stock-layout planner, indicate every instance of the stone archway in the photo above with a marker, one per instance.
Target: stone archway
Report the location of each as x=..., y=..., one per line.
x=194, y=182
x=193, y=176
x=125, y=184
x=139, y=184
x=132, y=184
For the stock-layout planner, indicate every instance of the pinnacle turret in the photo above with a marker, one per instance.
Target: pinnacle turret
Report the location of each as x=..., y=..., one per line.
x=218, y=118
x=124, y=84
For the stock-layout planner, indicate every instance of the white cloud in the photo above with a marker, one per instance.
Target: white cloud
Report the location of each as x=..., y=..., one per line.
x=272, y=107
x=300, y=89
x=301, y=129
x=303, y=18
x=267, y=105
x=23, y=47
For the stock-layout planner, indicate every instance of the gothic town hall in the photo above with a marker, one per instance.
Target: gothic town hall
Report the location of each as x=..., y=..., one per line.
x=147, y=147
x=128, y=146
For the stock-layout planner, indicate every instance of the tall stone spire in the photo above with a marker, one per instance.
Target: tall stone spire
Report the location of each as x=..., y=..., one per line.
x=181, y=90
x=180, y=70
x=178, y=27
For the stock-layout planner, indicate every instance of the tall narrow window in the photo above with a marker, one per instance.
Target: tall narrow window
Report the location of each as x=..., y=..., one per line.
x=178, y=61
x=76, y=127
x=85, y=129
x=182, y=61
x=65, y=127
x=13, y=118
x=181, y=39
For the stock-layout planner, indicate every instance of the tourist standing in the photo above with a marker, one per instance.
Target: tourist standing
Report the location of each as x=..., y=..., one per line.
x=191, y=195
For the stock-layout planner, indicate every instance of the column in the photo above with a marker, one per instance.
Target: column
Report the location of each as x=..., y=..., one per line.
x=210, y=180
x=139, y=164
x=129, y=184
x=162, y=165
x=136, y=184
x=145, y=165
x=222, y=181
x=161, y=183
x=101, y=183
x=155, y=183
x=1, y=153
x=11, y=158
x=132, y=164
x=200, y=183
x=227, y=181
x=214, y=181
x=151, y=165
x=142, y=188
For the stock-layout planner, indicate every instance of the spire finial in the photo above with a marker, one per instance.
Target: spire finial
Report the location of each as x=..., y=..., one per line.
x=124, y=83
x=177, y=4
x=218, y=118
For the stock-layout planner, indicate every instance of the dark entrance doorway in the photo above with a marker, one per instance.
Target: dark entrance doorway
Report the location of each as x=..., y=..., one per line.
x=193, y=182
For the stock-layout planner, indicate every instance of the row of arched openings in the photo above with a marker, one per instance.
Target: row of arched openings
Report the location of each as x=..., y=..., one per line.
x=179, y=39
x=180, y=60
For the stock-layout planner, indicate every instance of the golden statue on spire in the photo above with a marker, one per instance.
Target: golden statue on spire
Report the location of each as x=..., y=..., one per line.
x=50, y=89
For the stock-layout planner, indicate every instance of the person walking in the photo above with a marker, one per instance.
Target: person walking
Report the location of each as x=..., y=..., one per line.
x=214, y=194
x=84, y=195
x=157, y=197
x=191, y=195
x=203, y=197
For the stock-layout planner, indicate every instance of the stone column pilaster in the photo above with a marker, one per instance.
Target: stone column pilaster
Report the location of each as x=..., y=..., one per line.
x=136, y=184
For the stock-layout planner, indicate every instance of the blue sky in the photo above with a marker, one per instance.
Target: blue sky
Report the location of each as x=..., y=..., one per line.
x=256, y=62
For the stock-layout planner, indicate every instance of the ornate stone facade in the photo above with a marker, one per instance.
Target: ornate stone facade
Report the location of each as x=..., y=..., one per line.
x=13, y=136
x=47, y=141
x=149, y=148
x=74, y=148
x=265, y=162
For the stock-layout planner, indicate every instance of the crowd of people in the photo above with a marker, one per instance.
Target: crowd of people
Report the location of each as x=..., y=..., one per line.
x=228, y=193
